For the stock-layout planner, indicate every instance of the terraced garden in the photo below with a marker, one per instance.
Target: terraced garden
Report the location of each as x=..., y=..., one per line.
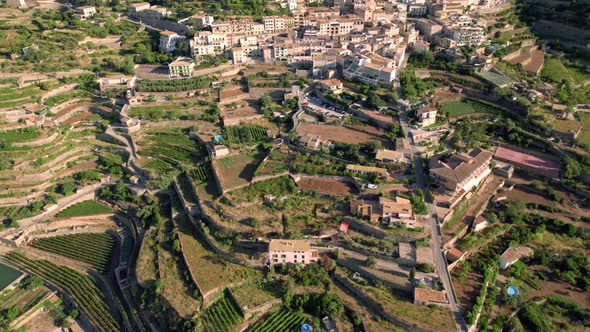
x=20, y=135
x=81, y=287
x=243, y=135
x=93, y=248
x=85, y=208
x=222, y=316
x=280, y=321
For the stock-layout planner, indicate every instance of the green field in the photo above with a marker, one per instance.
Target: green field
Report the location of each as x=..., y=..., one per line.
x=223, y=315
x=19, y=135
x=280, y=321
x=7, y=276
x=86, y=208
x=556, y=71
x=93, y=248
x=464, y=107
x=83, y=289
x=585, y=134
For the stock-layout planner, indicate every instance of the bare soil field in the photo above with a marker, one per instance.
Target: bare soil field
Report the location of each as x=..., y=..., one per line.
x=236, y=170
x=337, y=134
x=327, y=186
x=112, y=42
x=561, y=289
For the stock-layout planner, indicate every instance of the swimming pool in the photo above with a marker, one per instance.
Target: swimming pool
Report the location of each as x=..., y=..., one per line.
x=512, y=291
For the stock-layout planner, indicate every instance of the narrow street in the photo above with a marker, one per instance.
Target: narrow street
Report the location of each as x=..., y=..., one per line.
x=439, y=259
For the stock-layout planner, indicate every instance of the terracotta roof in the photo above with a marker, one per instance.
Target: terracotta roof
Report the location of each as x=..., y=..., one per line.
x=288, y=245
x=167, y=33
x=454, y=252
x=460, y=167
x=479, y=220
x=388, y=154
x=331, y=82
x=430, y=295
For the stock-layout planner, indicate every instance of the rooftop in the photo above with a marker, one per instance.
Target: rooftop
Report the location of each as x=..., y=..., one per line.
x=288, y=245
x=430, y=295
x=388, y=154
x=513, y=254
x=459, y=167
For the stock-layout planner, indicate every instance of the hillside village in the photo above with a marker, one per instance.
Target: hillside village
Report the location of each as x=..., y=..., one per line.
x=298, y=165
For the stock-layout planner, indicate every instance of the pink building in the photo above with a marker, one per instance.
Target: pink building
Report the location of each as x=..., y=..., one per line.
x=291, y=251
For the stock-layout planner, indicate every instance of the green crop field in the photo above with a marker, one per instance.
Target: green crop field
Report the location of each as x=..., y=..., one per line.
x=82, y=288
x=458, y=108
x=93, y=248
x=243, y=134
x=86, y=208
x=585, y=134
x=19, y=135
x=223, y=315
x=556, y=71
x=280, y=321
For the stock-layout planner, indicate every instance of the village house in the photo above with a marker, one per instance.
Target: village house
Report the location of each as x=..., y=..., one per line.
x=479, y=223
x=387, y=211
x=513, y=254
x=331, y=85
x=220, y=151
x=182, y=67
x=391, y=156
x=291, y=251
x=461, y=172
x=117, y=82
x=426, y=116
x=454, y=255
x=85, y=12
x=314, y=142
x=427, y=296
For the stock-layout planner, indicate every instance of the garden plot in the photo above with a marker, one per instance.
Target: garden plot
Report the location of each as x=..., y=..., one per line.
x=327, y=186
x=337, y=134
x=237, y=169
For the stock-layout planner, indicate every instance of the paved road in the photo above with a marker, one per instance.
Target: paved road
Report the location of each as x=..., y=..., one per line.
x=439, y=259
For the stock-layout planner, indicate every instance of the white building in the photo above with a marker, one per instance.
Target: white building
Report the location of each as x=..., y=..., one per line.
x=85, y=12
x=291, y=251
x=426, y=116
x=513, y=254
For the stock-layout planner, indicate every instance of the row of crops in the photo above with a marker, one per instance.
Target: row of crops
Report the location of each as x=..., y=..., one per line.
x=200, y=173
x=81, y=287
x=175, y=85
x=14, y=212
x=93, y=248
x=280, y=321
x=243, y=134
x=221, y=316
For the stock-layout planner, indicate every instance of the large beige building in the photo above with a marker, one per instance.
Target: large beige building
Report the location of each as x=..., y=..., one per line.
x=462, y=172
x=291, y=251
x=387, y=211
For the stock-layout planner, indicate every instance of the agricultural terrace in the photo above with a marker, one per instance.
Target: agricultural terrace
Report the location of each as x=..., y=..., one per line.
x=169, y=151
x=93, y=248
x=327, y=186
x=13, y=97
x=237, y=169
x=20, y=135
x=85, y=208
x=585, y=134
x=467, y=106
x=256, y=293
x=556, y=70
x=193, y=83
x=337, y=133
x=276, y=162
x=221, y=316
x=237, y=135
x=209, y=270
x=25, y=295
x=495, y=78
x=280, y=321
x=172, y=111
x=277, y=187
x=82, y=288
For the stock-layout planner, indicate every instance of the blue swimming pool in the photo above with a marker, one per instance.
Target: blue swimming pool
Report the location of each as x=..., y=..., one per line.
x=512, y=291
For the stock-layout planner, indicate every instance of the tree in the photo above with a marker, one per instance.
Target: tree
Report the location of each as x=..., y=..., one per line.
x=374, y=101
x=571, y=168
x=159, y=286
x=176, y=245
x=371, y=261
x=412, y=274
